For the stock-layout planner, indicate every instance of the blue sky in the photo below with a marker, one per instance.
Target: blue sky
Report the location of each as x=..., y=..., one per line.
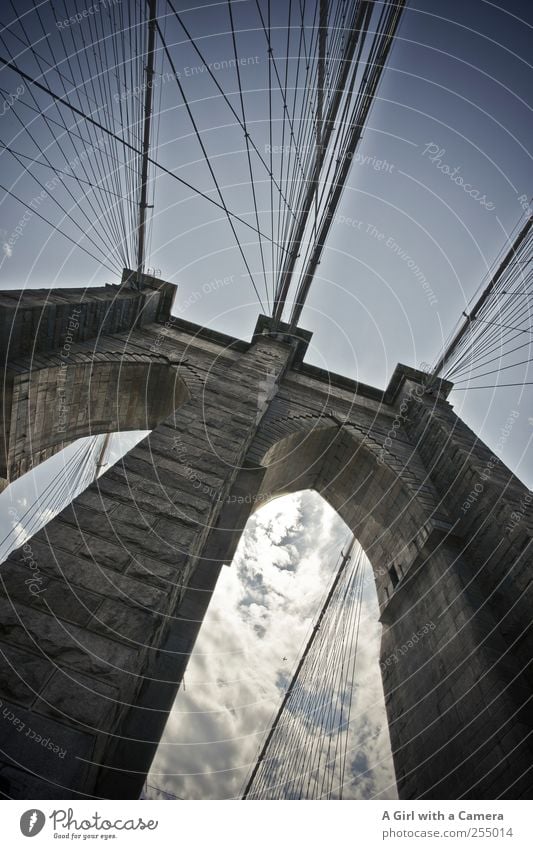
x=457, y=93
x=457, y=79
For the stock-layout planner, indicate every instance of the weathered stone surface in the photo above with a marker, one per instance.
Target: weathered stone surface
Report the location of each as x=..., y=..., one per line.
x=22, y=675
x=64, y=382
x=129, y=568
x=67, y=644
x=70, y=696
x=130, y=622
x=164, y=576
x=55, y=751
x=38, y=589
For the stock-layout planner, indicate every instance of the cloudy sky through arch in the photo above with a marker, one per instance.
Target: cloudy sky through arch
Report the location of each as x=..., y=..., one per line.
x=456, y=94
x=253, y=634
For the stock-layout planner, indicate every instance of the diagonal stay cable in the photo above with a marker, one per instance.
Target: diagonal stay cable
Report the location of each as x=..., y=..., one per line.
x=103, y=82
x=328, y=127
x=247, y=137
x=229, y=104
x=99, y=163
x=65, y=211
x=208, y=163
x=301, y=664
x=36, y=161
x=58, y=230
x=383, y=41
x=70, y=130
x=75, y=201
x=152, y=161
x=99, y=166
x=48, y=491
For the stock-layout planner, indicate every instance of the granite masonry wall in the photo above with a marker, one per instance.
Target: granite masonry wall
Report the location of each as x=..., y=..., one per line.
x=92, y=663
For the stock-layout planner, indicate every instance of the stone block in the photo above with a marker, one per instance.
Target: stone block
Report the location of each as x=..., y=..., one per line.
x=22, y=675
x=71, y=697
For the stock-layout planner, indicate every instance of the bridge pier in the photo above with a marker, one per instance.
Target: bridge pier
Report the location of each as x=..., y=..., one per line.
x=92, y=663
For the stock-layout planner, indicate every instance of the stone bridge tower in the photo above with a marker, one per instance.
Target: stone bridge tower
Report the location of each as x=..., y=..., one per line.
x=91, y=665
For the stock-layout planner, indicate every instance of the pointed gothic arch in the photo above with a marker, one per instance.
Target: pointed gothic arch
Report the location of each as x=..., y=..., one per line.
x=130, y=566
x=51, y=403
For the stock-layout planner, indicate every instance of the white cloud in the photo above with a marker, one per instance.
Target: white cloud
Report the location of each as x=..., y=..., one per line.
x=258, y=622
x=251, y=640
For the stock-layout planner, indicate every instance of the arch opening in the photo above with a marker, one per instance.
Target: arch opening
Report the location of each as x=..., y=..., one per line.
x=337, y=468
x=259, y=619
x=36, y=497
x=51, y=404
x=114, y=406
x=377, y=501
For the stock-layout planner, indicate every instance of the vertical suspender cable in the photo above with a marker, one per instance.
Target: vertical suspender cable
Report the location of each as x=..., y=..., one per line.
x=345, y=165
x=327, y=129
x=345, y=559
x=322, y=42
x=143, y=202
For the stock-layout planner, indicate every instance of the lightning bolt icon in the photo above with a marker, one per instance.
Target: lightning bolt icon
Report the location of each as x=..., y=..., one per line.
x=33, y=820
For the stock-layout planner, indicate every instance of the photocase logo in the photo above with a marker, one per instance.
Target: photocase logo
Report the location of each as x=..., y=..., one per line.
x=32, y=822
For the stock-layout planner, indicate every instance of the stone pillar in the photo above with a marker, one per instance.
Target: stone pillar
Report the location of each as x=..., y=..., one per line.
x=456, y=652
x=114, y=568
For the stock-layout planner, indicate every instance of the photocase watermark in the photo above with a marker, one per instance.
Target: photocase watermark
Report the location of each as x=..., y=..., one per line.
x=65, y=819
x=248, y=498
x=179, y=447
x=220, y=65
x=415, y=394
x=517, y=515
x=187, y=71
x=479, y=487
x=359, y=158
x=159, y=339
x=435, y=155
x=525, y=203
x=392, y=245
x=207, y=288
x=35, y=580
x=135, y=91
x=402, y=650
x=371, y=162
x=19, y=725
x=65, y=824
x=356, y=223
x=32, y=822
x=34, y=204
x=11, y=99
x=63, y=407
x=86, y=13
